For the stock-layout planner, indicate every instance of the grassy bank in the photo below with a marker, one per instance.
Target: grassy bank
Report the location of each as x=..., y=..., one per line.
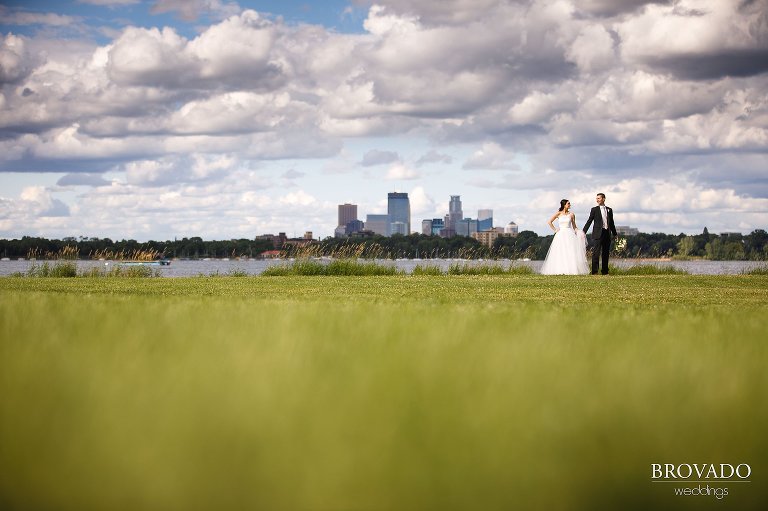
x=402, y=392
x=479, y=290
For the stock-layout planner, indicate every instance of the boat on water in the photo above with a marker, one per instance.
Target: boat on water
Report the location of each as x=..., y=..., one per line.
x=159, y=262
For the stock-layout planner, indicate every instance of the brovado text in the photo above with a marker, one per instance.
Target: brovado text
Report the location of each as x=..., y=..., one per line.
x=684, y=471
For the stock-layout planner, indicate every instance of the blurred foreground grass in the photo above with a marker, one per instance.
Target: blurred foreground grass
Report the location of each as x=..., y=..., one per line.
x=405, y=392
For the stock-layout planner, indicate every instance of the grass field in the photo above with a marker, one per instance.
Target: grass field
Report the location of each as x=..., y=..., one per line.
x=392, y=392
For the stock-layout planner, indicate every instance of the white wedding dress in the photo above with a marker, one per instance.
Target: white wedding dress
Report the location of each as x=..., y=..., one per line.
x=568, y=252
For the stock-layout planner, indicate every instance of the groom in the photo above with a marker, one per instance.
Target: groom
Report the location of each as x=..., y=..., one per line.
x=602, y=215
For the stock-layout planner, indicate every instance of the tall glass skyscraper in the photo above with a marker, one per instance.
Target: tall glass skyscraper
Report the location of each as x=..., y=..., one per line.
x=455, y=214
x=378, y=224
x=484, y=220
x=399, y=213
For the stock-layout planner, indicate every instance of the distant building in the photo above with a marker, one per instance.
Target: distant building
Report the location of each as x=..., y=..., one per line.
x=353, y=227
x=455, y=213
x=466, y=227
x=362, y=234
x=398, y=228
x=399, y=212
x=277, y=241
x=726, y=234
x=347, y=213
x=304, y=241
x=437, y=225
x=487, y=238
x=626, y=230
x=484, y=220
x=426, y=227
x=270, y=254
x=377, y=223
x=511, y=229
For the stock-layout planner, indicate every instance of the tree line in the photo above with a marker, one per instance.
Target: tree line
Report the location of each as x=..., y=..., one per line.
x=527, y=244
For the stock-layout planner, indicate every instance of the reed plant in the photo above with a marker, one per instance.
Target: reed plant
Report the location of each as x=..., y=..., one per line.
x=347, y=250
x=337, y=267
x=297, y=267
x=68, y=269
x=238, y=272
x=138, y=254
x=118, y=270
x=428, y=269
x=759, y=270
x=646, y=269
x=67, y=253
x=59, y=269
x=488, y=269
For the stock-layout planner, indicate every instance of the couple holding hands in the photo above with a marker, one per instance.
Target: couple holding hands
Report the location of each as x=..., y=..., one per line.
x=568, y=252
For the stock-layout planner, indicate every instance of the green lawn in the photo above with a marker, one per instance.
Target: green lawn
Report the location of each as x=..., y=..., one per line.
x=403, y=392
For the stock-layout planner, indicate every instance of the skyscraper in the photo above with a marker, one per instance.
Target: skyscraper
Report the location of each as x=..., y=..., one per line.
x=484, y=220
x=466, y=227
x=454, y=212
x=347, y=216
x=347, y=213
x=437, y=226
x=399, y=213
x=377, y=223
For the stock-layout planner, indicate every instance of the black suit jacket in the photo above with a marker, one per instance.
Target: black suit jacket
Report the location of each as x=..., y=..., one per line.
x=597, y=217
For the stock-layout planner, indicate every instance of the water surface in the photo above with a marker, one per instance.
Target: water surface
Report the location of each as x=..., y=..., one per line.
x=191, y=268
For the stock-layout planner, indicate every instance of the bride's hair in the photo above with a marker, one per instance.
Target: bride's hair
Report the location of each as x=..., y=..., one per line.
x=562, y=204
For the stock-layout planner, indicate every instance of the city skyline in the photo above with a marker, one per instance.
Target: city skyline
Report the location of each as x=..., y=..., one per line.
x=162, y=119
x=398, y=220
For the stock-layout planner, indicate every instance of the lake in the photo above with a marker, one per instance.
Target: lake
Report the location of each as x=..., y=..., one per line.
x=191, y=268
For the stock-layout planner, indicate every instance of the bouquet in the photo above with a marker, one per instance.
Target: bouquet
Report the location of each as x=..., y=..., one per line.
x=620, y=245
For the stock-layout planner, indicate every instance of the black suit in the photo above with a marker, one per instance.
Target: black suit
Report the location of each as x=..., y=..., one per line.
x=601, y=237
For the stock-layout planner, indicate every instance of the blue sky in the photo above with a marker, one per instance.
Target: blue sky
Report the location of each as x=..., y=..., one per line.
x=224, y=119
x=339, y=15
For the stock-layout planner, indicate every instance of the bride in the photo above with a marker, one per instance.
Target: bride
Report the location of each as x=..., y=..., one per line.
x=567, y=254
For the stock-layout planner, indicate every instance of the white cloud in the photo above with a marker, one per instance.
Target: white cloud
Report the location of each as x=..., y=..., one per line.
x=592, y=50
x=422, y=205
x=700, y=39
x=377, y=157
x=190, y=10
x=438, y=11
x=670, y=206
x=36, y=208
x=42, y=202
x=491, y=156
x=298, y=198
x=235, y=51
x=13, y=58
x=540, y=107
x=582, y=91
x=401, y=172
x=434, y=156
x=36, y=18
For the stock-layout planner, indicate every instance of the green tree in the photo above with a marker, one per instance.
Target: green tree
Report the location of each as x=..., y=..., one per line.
x=686, y=246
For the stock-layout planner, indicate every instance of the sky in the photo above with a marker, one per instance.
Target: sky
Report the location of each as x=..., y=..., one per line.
x=163, y=119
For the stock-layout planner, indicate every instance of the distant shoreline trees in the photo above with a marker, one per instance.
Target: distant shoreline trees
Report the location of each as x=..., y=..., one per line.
x=527, y=244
